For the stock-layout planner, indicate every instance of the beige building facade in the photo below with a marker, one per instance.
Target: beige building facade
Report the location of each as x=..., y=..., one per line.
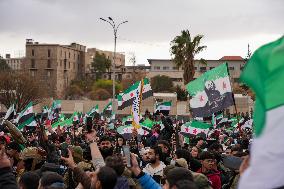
x=54, y=65
x=168, y=68
x=16, y=64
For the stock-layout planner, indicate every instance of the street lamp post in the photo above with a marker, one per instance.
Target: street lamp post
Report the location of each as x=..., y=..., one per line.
x=115, y=28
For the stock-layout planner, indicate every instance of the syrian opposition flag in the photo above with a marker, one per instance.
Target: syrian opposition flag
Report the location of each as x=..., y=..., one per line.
x=108, y=109
x=75, y=117
x=127, y=120
x=44, y=113
x=264, y=74
x=218, y=119
x=211, y=92
x=62, y=121
x=126, y=98
x=135, y=110
x=26, y=116
x=11, y=112
x=55, y=110
x=195, y=128
x=94, y=110
x=163, y=107
x=147, y=125
x=126, y=131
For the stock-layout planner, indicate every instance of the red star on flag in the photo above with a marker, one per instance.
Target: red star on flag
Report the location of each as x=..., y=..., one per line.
x=131, y=94
x=224, y=85
x=194, y=131
x=201, y=98
x=186, y=129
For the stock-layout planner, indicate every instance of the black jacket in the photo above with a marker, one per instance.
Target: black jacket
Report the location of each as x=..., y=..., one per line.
x=7, y=179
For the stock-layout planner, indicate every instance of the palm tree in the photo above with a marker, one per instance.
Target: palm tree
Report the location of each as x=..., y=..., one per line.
x=184, y=47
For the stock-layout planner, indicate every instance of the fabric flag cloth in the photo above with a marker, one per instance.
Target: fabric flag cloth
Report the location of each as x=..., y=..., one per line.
x=55, y=110
x=163, y=107
x=135, y=110
x=44, y=113
x=108, y=109
x=75, y=117
x=195, y=128
x=11, y=112
x=127, y=120
x=147, y=125
x=25, y=117
x=94, y=110
x=65, y=122
x=211, y=92
x=126, y=98
x=264, y=73
x=126, y=131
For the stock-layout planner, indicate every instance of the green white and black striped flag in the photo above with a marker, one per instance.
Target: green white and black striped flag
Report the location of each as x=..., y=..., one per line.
x=126, y=98
x=164, y=107
x=26, y=116
x=211, y=92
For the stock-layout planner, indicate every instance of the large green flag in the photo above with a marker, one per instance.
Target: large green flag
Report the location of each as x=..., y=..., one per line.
x=211, y=92
x=264, y=73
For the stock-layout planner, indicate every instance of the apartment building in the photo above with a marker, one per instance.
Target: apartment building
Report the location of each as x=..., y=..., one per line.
x=91, y=53
x=168, y=68
x=14, y=63
x=54, y=65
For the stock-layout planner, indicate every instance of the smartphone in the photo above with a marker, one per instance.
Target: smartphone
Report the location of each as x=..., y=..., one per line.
x=232, y=162
x=126, y=153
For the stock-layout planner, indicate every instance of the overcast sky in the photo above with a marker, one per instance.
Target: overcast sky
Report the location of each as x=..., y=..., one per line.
x=227, y=25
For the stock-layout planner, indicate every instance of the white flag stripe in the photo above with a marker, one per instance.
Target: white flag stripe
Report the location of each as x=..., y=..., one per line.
x=199, y=100
x=266, y=161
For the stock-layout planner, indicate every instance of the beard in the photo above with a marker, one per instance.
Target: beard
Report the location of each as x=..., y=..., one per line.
x=152, y=161
x=107, y=152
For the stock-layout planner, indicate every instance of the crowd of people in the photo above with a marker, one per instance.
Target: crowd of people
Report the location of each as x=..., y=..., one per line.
x=92, y=157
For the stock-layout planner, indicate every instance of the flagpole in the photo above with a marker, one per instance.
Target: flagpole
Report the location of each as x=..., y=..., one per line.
x=236, y=111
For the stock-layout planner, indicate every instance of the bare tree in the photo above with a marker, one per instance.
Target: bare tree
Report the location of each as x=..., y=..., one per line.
x=19, y=89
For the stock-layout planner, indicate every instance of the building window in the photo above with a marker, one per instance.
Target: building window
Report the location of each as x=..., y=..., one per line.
x=74, y=56
x=166, y=68
x=48, y=53
x=65, y=54
x=65, y=64
x=69, y=65
x=231, y=68
x=69, y=54
x=60, y=63
x=78, y=57
x=74, y=66
x=203, y=69
x=33, y=52
x=156, y=67
x=48, y=64
x=33, y=73
x=32, y=63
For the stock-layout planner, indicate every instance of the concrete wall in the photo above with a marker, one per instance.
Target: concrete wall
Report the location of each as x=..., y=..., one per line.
x=244, y=104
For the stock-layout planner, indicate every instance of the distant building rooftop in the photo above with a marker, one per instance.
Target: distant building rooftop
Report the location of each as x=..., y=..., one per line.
x=231, y=58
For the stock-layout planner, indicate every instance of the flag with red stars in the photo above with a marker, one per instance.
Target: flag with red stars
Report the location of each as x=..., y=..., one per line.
x=195, y=128
x=211, y=92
